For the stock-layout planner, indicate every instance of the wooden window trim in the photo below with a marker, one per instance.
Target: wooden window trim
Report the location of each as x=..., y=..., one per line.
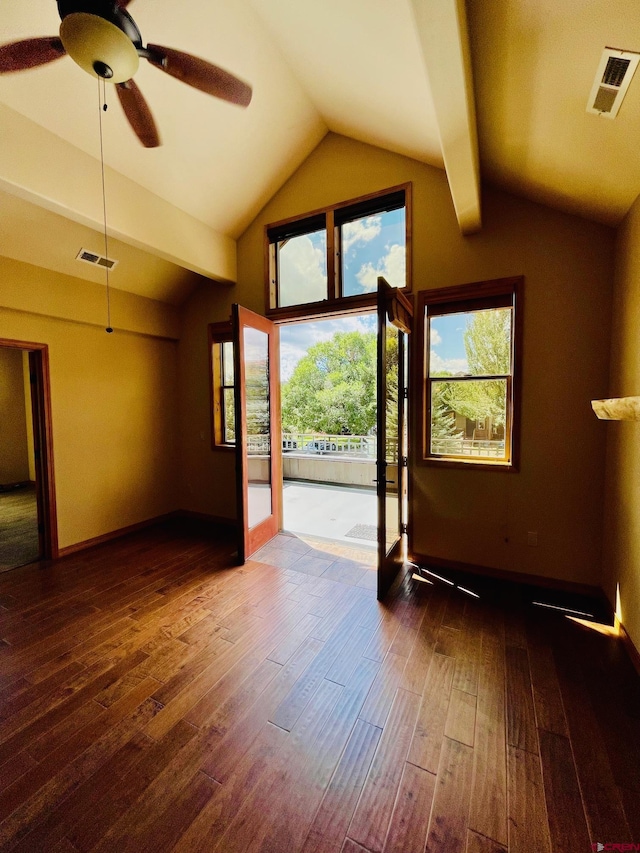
x=218, y=333
x=496, y=293
x=331, y=218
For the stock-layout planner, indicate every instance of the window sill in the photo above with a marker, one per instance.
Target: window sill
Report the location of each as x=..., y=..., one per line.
x=480, y=464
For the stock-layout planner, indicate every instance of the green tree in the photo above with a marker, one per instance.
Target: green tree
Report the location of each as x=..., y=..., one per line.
x=443, y=425
x=487, y=341
x=333, y=387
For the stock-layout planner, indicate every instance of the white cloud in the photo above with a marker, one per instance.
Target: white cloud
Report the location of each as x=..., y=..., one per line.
x=360, y=231
x=392, y=266
x=448, y=365
x=434, y=336
x=303, y=276
x=290, y=355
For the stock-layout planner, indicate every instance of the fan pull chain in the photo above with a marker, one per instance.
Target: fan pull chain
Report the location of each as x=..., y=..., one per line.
x=102, y=106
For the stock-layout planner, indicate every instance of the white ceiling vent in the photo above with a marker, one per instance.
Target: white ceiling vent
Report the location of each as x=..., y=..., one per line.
x=96, y=260
x=612, y=81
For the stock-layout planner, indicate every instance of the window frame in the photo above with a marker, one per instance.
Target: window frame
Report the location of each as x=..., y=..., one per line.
x=331, y=219
x=218, y=334
x=481, y=295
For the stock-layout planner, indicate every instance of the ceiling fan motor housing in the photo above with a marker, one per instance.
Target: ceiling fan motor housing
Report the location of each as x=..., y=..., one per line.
x=106, y=9
x=101, y=38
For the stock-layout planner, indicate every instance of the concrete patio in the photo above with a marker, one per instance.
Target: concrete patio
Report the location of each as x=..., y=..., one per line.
x=330, y=512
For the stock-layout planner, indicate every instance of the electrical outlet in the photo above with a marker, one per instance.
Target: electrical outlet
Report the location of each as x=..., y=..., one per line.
x=532, y=538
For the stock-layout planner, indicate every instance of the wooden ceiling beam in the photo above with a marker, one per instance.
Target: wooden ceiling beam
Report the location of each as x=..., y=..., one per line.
x=443, y=35
x=40, y=167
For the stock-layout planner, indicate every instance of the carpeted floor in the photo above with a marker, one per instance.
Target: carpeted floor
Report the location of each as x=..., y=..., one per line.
x=18, y=527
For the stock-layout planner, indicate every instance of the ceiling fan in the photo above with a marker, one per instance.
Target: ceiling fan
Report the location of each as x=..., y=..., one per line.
x=104, y=40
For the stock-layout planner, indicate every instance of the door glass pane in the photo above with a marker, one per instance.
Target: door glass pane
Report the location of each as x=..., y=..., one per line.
x=468, y=418
x=470, y=343
x=371, y=246
x=392, y=515
x=302, y=269
x=256, y=353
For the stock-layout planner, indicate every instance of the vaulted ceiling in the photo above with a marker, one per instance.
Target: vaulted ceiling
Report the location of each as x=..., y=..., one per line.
x=497, y=88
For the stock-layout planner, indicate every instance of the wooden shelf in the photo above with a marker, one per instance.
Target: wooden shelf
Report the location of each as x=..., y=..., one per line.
x=617, y=409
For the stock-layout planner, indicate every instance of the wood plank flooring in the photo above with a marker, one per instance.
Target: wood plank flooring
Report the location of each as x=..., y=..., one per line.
x=153, y=697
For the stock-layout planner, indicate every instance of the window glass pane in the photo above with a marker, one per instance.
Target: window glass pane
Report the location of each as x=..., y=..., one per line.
x=227, y=363
x=302, y=269
x=228, y=417
x=373, y=245
x=472, y=343
x=468, y=418
x=256, y=347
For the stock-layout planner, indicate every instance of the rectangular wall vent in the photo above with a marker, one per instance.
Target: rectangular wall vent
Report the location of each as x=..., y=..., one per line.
x=612, y=80
x=95, y=260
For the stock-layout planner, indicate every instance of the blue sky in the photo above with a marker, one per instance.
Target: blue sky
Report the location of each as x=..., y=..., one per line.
x=374, y=246
x=447, y=343
x=371, y=246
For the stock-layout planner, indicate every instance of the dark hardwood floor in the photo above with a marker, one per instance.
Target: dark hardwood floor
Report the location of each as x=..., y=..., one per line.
x=155, y=698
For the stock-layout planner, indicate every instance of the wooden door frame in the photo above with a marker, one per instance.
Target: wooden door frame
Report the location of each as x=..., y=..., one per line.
x=393, y=307
x=251, y=539
x=43, y=443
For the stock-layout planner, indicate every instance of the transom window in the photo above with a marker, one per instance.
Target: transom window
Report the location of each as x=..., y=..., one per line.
x=472, y=368
x=331, y=259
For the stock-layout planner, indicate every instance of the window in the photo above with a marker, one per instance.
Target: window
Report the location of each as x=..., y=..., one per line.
x=222, y=385
x=472, y=342
x=331, y=259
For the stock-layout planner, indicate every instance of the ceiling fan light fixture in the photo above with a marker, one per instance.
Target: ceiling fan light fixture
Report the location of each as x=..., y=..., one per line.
x=99, y=47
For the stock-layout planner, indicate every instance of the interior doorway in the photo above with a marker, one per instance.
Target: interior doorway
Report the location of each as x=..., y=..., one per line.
x=27, y=498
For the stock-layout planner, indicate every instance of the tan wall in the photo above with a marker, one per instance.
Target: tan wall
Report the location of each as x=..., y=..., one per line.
x=462, y=515
x=113, y=398
x=14, y=458
x=622, y=517
x=207, y=484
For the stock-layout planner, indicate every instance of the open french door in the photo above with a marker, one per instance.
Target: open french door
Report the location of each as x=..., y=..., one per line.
x=259, y=454
x=395, y=314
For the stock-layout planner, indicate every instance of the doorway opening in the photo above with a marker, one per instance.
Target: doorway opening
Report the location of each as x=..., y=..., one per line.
x=342, y=385
x=328, y=415
x=27, y=498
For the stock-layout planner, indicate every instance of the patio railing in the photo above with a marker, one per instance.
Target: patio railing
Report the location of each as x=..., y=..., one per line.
x=364, y=446
x=468, y=447
x=319, y=444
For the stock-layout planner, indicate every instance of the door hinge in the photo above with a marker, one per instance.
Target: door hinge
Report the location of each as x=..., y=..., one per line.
x=405, y=393
x=404, y=462
x=404, y=528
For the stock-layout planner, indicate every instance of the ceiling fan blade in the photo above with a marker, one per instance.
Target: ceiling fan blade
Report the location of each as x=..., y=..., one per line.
x=30, y=53
x=200, y=74
x=138, y=113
